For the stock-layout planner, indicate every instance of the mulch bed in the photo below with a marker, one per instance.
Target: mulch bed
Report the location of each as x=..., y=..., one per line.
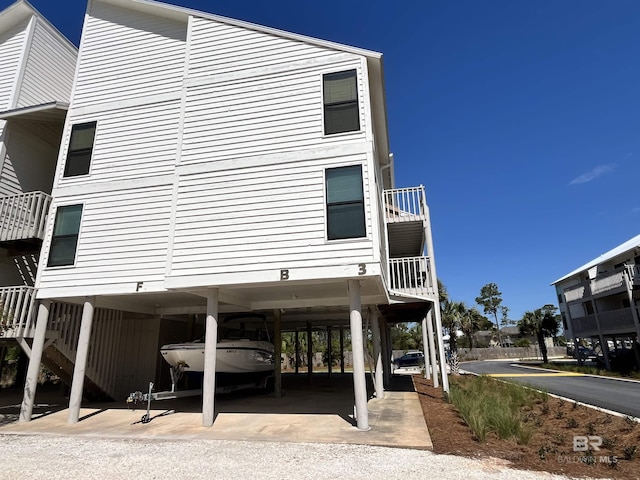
x=550, y=448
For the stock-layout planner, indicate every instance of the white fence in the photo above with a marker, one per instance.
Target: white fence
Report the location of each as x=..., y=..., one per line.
x=405, y=204
x=411, y=275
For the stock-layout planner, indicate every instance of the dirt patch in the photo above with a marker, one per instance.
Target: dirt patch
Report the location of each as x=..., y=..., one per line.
x=551, y=446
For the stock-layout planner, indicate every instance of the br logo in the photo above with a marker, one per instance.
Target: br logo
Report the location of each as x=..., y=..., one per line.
x=582, y=443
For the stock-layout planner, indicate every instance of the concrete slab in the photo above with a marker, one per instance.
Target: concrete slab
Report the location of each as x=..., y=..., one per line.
x=319, y=413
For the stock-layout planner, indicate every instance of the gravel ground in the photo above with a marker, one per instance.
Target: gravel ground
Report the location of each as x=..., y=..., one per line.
x=54, y=457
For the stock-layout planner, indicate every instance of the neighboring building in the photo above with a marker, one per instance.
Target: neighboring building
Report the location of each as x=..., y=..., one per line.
x=37, y=64
x=211, y=166
x=599, y=302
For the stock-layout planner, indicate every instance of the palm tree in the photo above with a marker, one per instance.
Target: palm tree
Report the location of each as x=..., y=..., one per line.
x=541, y=323
x=470, y=323
x=451, y=320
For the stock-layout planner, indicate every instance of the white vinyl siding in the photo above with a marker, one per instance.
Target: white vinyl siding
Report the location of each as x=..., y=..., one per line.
x=260, y=218
x=127, y=54
x=220, y=48
x=123, y=238
x=50, y=68
x=265, y=114
x=131, y=143
x=11, y=45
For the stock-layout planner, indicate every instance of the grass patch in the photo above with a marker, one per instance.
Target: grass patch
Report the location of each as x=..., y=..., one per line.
x=487, y=405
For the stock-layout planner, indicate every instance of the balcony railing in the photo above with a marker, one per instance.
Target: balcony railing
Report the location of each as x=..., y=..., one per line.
x=411, y=275
x=584, y=325
x=17, y=311
x=23, y=216
x=612, y=321
x=634, y=273
x=577, y=293
x=405, y=204
x=608, y=282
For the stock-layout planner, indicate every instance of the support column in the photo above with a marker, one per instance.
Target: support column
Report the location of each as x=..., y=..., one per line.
x=77, y=384
x=277, y=343
x=377, y=352
x=628, y=280
x=309, y=352
x=33, y=370
x=329, y=351
x=425, y=348
x=210, y=344
x=341, y=350
x=357, y=348
x=297, y=347
x=432, y=347
x=443, y=358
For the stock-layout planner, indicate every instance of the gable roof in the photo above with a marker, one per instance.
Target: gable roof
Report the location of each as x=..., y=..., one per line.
x=614, y=252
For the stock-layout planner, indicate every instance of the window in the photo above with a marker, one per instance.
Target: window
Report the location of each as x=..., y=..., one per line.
x=65, y=236
x=341, y=113
x=345, y=203
x=80, y=149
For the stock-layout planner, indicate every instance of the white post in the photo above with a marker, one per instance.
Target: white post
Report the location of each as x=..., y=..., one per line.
x=357, y=347
x=432, y=347
x=210, y=344
x=443, y=359
x=77, y=384
x=377, y=353
x=427, y=350
x=31, y=382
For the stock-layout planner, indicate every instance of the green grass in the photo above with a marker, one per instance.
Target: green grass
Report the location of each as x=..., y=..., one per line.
x=487, y=405
x=589, y=370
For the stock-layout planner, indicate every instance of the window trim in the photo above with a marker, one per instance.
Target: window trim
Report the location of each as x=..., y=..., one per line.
x=67, y=162
x=53, y=235
x=358, y=102
x=326, y=205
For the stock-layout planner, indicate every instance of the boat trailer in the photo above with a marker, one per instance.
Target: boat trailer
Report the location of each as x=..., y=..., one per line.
x=176, y=373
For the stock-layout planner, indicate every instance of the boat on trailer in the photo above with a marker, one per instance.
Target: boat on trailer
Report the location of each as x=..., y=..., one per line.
x=240, y=350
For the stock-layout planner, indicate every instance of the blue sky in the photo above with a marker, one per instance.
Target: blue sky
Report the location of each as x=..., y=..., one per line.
x=521, y=118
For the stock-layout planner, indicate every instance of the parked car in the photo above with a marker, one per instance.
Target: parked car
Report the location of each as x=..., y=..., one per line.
x=584, y=353
x=413, y=358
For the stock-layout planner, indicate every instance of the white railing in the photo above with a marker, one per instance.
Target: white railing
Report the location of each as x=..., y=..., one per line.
x=411, y=275
x=405, y=204
x=607, y=282
x=23, y=216
x=584, y=325
x=573, y=294
x=17, y=317
x=616, y=319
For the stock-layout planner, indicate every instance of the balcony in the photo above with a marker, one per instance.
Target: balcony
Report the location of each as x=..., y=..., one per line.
x=608, y=283
x=411, y=276
x=22, y=219
x=611, y=323
x=405, y=205
x=577, y=293
x=634, y=274
x=17, y=311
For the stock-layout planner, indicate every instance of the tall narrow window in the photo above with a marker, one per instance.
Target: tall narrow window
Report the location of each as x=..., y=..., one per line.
x=345, y=203
x=80, y=149
x=65, y=236
x=341, y=113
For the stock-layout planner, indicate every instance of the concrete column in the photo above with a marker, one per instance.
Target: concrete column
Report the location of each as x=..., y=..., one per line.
x=377, y=352
x=31, y=382
x=77, y=384
x=277, y=352
x=309, y=352
x=628, y=280
x=357, y=347
x=443, y=358
x=341, y=350
x=297, y=348
x=432, y=347
x=330, y=353
x=210, y=345
x=425, y=347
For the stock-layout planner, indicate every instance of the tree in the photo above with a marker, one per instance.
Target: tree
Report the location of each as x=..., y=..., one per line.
x=451, y=320
x=490, y=298
x=470, y=323
x=542, y=322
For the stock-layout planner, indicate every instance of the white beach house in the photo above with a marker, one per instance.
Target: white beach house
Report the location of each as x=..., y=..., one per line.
x=209, y=166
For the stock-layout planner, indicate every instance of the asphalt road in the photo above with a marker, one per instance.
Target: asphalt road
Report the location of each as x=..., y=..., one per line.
x=618, y=395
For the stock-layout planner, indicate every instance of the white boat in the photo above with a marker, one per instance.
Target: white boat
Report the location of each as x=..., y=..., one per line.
x=239, y=351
